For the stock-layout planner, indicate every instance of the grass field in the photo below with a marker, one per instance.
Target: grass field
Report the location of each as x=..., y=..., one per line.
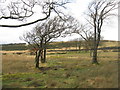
x=71, y=70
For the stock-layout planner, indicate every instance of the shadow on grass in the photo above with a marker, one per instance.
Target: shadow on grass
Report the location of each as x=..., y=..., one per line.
x=50, y=68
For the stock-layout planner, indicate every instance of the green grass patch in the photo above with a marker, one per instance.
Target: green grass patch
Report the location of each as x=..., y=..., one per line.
x=72, y=70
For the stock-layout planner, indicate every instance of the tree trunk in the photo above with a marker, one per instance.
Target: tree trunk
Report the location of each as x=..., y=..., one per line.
x=96, y=44
x=43, y=56
x=94, y=60
x=95, y=47
x=37, y=58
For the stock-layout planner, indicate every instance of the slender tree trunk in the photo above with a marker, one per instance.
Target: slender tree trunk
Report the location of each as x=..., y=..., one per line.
x=43, y=56
x=95, y=50
x=96, y=44
x=94, y=59
x=37, y=58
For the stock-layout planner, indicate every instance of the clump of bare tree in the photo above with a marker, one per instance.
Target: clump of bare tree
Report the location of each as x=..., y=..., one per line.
x=98, y=12
x=43, y=33
x=23, y=9
x=86, y=33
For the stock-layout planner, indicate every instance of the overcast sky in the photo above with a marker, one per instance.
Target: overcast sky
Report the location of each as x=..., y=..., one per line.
x=110, y=30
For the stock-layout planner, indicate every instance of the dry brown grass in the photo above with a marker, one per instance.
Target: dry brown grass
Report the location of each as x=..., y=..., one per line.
x=10, y=52
x=111, y=44
x=72, y=70
x=17, y=63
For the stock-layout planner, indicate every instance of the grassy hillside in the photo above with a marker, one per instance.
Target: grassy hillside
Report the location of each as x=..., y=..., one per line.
x=73, y=70
x=62, y=70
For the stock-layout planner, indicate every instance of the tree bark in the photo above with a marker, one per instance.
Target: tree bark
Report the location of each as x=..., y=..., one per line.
x=43, y=56
x=94, y=59
x=37, y=58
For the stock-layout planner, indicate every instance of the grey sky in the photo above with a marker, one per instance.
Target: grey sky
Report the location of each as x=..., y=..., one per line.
x=110, y=29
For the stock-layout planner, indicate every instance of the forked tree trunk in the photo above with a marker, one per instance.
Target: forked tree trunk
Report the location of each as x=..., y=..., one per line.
x=96, y=44
x=40, y=56
x=95, y=47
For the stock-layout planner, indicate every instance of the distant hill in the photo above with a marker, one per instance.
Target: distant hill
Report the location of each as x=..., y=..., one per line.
x=14, y=46
x=59, y=45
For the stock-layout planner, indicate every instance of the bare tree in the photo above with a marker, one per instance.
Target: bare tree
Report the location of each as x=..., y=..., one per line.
x=86, y=34
x=23, y=9
x=98, y=12
x=43, y=33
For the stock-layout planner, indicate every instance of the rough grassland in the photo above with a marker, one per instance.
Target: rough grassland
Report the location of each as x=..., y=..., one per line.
x=73, y=70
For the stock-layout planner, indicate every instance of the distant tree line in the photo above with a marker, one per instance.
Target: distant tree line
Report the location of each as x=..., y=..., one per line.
x=14, y=46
